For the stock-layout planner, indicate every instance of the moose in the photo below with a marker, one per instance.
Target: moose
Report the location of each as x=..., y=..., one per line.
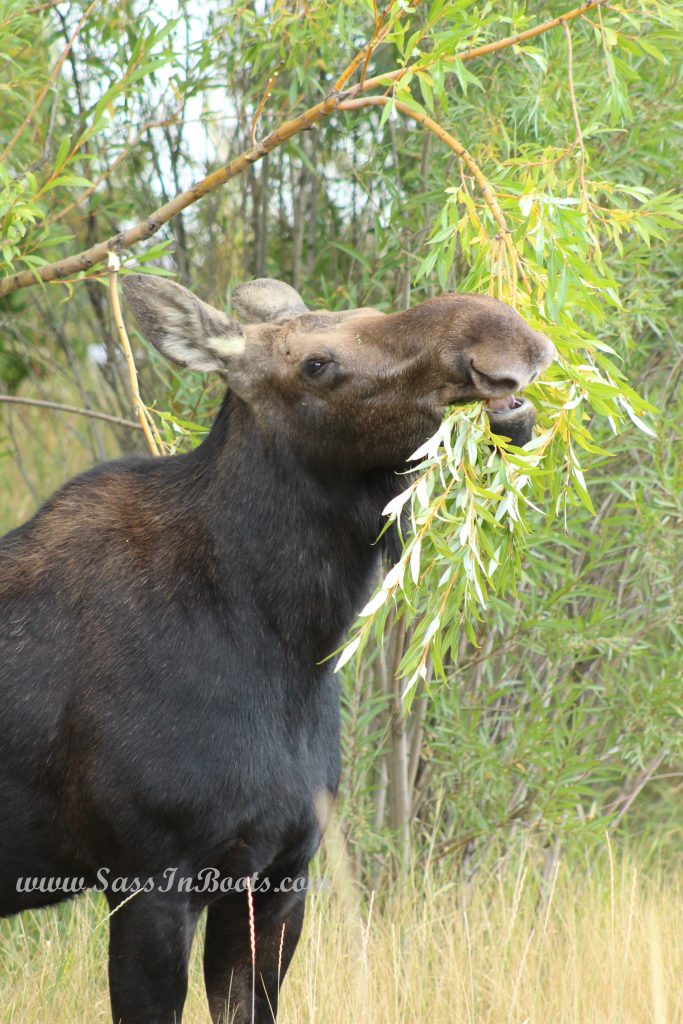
x=169, y=710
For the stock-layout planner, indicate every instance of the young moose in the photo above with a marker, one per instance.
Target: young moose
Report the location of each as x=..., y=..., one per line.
x=163, y=624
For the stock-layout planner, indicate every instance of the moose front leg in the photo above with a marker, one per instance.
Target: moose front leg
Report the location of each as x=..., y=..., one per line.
x=150, y=938
x=236, y=981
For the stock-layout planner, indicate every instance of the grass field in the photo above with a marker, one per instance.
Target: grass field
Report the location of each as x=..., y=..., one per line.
x=596, y=945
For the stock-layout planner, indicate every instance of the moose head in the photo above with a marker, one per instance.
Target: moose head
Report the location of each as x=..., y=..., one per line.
x=358, y=389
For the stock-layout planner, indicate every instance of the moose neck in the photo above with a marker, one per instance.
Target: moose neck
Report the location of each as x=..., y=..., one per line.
x=305, y=542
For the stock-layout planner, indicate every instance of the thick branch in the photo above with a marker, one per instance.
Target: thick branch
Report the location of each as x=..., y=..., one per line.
x=150, y=225
x=145, y=228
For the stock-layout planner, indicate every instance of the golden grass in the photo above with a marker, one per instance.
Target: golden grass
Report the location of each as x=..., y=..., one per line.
x=51, y=452
x=589, y=946
x=40, y=449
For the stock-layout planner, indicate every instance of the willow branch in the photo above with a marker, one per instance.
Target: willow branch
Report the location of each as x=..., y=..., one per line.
x=259, y=110
x=575, y=112
x=379, y=35
x=145, y=420
x=75, y=409
x=459, y=149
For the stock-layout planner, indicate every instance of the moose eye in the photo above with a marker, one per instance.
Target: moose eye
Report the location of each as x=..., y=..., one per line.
x=314, y=366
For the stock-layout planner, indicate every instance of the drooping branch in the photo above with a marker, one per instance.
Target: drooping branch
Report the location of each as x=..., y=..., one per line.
x=575, y=113
x=457, y=147
x=83, y=261
x=146, y=423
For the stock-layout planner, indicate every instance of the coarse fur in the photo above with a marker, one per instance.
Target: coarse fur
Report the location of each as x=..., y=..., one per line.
x=164, y=623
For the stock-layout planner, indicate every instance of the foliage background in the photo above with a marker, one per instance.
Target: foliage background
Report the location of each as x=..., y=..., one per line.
x=556, y=714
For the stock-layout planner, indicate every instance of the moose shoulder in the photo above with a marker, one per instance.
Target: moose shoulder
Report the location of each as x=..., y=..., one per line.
x=163, y=623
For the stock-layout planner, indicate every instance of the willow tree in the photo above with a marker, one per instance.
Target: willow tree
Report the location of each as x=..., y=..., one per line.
x=381, y=155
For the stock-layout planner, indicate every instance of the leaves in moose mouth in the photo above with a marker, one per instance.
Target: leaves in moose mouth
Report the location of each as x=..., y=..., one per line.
x=467, y=514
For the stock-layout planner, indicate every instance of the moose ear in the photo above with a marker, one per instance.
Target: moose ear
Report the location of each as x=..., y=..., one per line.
x=266, y=299
x=182, y=327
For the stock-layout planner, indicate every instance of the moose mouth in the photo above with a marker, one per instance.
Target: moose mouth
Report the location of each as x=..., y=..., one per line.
x=504, y=406
x=511, y=417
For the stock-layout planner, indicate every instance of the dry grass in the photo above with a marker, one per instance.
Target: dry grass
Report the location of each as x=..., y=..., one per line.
x=41, y=449
x=585, y=947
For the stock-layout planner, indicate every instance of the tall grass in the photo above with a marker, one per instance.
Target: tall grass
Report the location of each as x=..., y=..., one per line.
x=41, y=449
x=600, y=944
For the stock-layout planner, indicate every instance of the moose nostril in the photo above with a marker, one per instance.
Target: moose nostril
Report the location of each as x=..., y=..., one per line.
x=508, y=384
